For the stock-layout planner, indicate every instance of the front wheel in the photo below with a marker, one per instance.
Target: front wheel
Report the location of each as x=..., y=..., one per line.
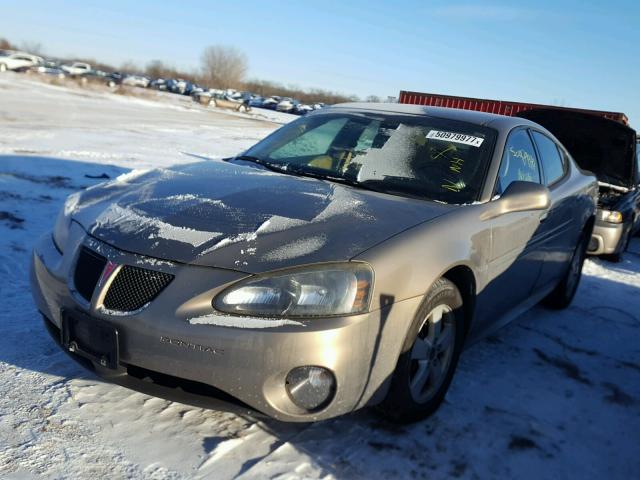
x=425, y=370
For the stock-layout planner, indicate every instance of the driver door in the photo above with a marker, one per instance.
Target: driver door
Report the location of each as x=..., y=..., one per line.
x=515, y=261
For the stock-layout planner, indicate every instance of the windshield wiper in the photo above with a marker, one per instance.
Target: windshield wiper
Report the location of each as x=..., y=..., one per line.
x=259, y=161
x=295, y=170
x=337, y=179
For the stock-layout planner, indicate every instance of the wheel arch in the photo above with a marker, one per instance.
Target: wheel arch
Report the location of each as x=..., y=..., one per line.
x=589, y=224
x=463, y=278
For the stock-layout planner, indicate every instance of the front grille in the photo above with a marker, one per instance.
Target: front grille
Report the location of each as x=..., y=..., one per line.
x=134, y=287
x=88, y=270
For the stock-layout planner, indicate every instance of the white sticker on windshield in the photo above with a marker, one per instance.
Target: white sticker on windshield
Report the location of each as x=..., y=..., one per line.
x=455, y=137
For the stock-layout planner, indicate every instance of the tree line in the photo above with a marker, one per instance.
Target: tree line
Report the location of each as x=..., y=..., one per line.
x=221, y=66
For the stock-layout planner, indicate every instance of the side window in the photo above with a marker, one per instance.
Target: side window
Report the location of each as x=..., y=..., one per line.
x=313, y=142
x=552, y=162
x=519, y=162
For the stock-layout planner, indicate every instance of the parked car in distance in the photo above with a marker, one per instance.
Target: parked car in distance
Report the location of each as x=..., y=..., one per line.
x=271, y=102
x=302, y=109
x=111, y=80
x=286, y=105
x=178, y=86
x=256, y=101
x=17, y=61
x=158, y=84
x=48, y=68
x=221, y=100
x=344, y=261
x=136, y=81
x=202, y=97
x=193, y=88
x=608, y=149
x=77, y=68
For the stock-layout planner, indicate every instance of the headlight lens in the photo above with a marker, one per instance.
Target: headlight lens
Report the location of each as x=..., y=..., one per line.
x=61, y=228
x=613, y=217
x=325, y=290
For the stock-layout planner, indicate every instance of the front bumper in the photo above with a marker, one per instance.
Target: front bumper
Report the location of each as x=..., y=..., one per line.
x=246, y=364
x=607, y=238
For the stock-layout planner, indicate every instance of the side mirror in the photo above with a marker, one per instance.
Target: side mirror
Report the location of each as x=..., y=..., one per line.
x=520, y=197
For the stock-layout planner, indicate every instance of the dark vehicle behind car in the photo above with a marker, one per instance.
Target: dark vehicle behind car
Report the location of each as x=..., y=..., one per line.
x=608, y=149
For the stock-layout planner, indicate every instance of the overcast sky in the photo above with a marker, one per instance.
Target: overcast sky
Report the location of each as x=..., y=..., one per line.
x=578, y=53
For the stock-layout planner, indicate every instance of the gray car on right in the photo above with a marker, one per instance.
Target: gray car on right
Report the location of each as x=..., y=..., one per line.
x=609, y=150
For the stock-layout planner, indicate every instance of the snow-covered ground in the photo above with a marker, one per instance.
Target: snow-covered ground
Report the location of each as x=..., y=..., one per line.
x=553, y=395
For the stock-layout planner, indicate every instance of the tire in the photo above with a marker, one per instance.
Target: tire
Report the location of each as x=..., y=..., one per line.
x=563, y=294
x=417, y=388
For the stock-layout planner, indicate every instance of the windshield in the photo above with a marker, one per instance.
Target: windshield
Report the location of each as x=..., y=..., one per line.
x=416, y=156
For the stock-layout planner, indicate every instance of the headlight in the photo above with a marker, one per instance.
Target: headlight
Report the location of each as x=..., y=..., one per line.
x=61, y=228
x=324, y=290
x=612, y=216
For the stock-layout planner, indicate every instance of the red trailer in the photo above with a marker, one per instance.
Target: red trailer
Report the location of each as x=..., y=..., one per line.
x=501, y=107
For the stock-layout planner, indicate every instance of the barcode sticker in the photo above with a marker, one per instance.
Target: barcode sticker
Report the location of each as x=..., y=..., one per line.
x=455, y=137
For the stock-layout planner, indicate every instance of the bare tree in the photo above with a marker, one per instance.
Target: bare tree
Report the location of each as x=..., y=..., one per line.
x=5, y=44
x=129, y=67
x=223, y=66
x=266, y=88
x=32, y=47
x=373, y=99
x=156, y=69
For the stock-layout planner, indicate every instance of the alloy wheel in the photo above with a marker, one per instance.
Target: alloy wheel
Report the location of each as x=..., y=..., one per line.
x=432, y=353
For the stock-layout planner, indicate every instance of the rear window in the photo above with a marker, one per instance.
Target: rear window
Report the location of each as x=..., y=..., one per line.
x=552, y=161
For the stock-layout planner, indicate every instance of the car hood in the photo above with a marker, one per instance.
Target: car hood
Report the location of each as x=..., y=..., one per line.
x=240, y=216
x=604, y=147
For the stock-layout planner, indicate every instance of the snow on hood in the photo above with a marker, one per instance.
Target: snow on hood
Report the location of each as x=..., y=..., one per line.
x=242, y=217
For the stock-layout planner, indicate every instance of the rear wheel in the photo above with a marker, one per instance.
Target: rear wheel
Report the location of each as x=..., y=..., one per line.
x=425, y=369
x=564, y=292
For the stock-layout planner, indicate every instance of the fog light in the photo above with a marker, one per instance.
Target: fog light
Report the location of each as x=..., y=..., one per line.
x=311, y=388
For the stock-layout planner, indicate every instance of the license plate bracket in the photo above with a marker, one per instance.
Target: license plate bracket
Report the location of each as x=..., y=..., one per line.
x=91, y=338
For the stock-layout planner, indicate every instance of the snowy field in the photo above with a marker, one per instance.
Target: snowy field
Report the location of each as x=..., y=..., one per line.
x=553, y=395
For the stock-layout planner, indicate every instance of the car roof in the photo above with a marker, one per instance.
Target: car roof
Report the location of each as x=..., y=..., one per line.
x=499, y=122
